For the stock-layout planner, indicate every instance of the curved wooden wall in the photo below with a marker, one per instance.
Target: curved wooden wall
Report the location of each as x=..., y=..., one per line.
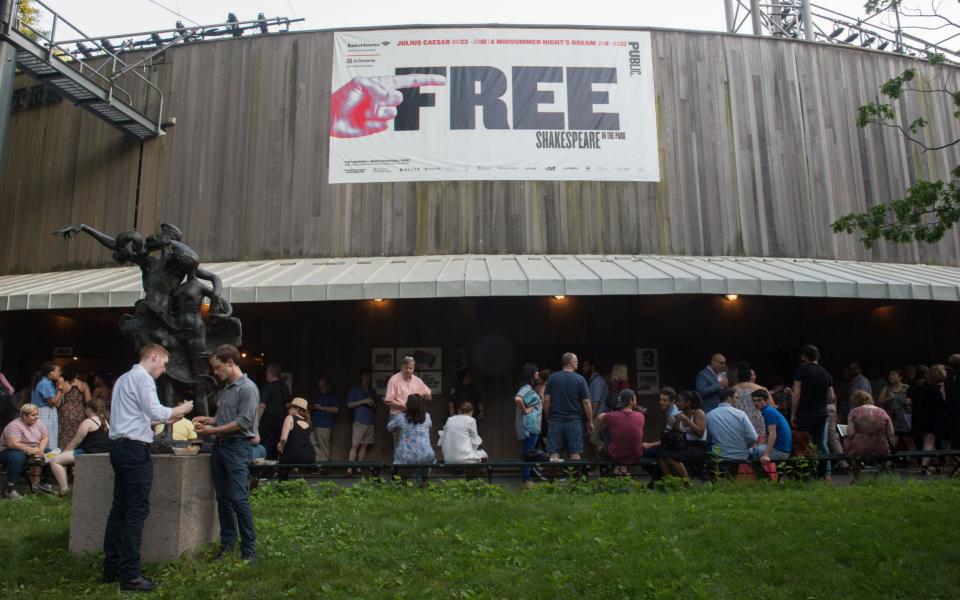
x=758, y=143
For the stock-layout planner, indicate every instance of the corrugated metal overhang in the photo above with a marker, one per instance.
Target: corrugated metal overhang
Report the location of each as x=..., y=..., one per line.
x=306, y=280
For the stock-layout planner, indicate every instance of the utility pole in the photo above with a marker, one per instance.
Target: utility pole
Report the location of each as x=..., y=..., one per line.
x=8, y=68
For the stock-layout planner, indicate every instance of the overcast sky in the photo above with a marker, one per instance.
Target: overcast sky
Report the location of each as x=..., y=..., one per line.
x=106, y=17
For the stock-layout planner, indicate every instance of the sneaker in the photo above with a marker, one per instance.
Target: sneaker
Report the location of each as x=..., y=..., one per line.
x=140, y=584
x=46, y=488
x=250, y=560
x=12, y=494
x=527, y=485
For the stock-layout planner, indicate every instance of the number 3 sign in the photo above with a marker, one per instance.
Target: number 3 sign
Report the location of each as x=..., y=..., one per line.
x=647, y=359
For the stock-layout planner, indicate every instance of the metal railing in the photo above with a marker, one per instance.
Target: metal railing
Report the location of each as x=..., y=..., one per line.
x=801, y=19
x=107, y=69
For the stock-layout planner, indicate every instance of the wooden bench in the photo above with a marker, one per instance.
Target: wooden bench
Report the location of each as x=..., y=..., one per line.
x=577, y=468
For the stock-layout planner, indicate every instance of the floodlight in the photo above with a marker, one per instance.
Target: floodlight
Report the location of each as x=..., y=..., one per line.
x=232, y=18
x=83, y=49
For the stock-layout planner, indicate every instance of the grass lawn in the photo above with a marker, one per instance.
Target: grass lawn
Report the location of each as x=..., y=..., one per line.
x=612, y=539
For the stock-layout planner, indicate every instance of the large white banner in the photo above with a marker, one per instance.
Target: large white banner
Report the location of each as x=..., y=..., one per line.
x=492, y=104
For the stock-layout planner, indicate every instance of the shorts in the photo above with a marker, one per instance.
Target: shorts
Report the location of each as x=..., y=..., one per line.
x=362, y=434
x=569, y=433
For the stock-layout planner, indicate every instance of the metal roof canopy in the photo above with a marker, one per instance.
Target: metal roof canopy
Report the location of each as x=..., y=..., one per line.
x=323, y=279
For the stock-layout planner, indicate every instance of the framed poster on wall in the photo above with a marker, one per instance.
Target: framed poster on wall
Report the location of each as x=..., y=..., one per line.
x=434, y=381
x=648, y=384
x=382, y=359
x=379, y=382
x=429, y=359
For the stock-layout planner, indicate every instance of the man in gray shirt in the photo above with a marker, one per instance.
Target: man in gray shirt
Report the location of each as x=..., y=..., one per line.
x=233, y=427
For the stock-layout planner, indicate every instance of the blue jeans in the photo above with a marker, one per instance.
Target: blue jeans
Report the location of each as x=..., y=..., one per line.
x=14, y=460
x=757, y=451
x=529, y=444
x=231, y=472
x=132, y=480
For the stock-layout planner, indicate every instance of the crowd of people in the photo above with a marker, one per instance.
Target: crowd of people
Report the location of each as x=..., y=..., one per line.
x=557, y=414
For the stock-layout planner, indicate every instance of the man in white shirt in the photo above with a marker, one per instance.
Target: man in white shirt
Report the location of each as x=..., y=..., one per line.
x=134, y=409
x=459, y=439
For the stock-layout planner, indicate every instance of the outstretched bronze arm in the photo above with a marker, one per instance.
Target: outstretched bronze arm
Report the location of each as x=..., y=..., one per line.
x=68, y=233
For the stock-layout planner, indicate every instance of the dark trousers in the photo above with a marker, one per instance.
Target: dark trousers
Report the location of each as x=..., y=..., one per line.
x=132, y=479
x=15, y=460
x=270, y=438
x=817, y=428
x=231, y=472
x=528, y=444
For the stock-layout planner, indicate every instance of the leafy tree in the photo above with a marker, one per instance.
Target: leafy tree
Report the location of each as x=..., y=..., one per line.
x=29, y=14
x=929, y=208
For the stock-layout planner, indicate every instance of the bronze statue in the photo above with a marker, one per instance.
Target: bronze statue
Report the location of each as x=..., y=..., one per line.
x=170, y=314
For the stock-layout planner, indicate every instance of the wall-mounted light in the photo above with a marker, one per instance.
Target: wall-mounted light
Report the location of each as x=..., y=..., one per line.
x=560, y=297
x=76, y=358
x=731, y=297
x=243, y=355
x=378, y=299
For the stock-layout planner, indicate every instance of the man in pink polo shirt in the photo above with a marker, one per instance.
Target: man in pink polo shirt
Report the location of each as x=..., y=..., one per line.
x=404, y=383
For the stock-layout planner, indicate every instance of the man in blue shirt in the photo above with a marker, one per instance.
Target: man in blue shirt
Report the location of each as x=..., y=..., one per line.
x=711, y=380
x=326, y=405
x=730, y=430
x=566, y=403
x=362, y=400
x=779, y=438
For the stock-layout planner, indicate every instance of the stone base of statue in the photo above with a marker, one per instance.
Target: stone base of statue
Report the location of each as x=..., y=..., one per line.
x=183, y=510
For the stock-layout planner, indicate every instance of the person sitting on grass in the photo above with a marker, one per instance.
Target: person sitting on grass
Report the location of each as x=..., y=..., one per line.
x=778, y=437
x=92, y=437
x=413, y=442
x=869, y=430
x=24, y=439
x=295, y=447
x=459, y=439
x=625, y=424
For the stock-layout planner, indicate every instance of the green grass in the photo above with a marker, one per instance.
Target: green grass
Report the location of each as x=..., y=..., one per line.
x=887, y=539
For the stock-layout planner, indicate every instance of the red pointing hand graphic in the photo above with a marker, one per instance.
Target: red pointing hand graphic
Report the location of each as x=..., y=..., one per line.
x=367, y=105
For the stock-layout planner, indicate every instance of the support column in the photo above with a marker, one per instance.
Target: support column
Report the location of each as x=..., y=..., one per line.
x=755, y=17
x=8, y=68
x=807, y=21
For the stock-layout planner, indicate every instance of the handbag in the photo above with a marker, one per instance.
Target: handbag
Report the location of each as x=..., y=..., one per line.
x=673, y=440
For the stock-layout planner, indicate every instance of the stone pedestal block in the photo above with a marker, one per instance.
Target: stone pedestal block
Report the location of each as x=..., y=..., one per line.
x=183, y=510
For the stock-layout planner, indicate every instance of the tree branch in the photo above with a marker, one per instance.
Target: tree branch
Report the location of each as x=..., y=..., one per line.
x=907, y=135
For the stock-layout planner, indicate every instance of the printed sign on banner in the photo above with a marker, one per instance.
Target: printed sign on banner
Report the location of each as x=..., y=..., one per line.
x=492, y=104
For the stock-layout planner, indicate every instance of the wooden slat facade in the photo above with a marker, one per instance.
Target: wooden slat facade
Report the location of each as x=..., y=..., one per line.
x=758, y=144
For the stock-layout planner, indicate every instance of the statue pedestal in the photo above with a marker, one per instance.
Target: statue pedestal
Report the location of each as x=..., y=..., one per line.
x=183, y=509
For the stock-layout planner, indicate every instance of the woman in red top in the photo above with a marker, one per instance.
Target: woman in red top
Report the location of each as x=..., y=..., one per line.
x=625, y=424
